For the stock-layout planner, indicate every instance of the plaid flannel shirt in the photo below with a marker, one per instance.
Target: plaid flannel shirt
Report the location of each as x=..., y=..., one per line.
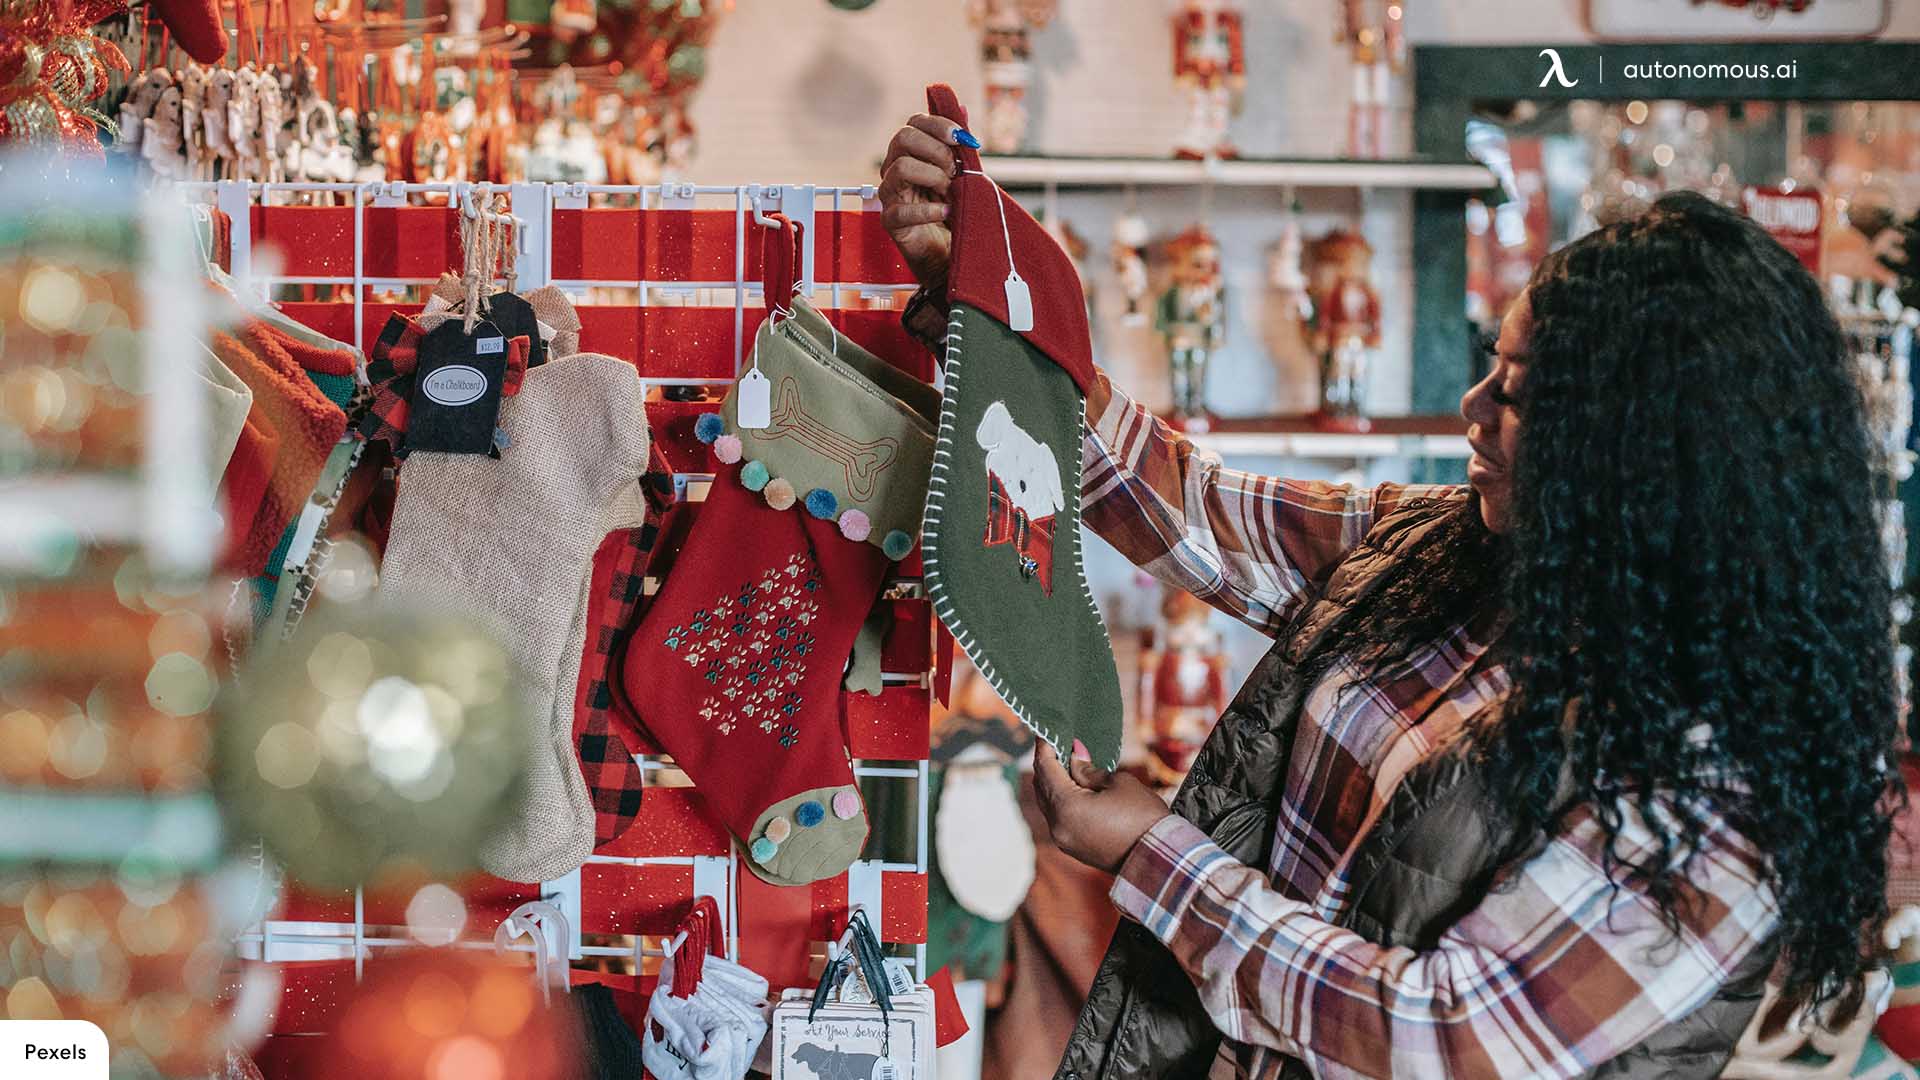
x=1551, y=975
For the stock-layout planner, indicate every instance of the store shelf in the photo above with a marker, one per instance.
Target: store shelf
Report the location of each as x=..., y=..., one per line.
x=1276, y=173
x=1426, y=437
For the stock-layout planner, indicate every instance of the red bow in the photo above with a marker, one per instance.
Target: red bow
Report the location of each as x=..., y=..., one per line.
x=1032, y=538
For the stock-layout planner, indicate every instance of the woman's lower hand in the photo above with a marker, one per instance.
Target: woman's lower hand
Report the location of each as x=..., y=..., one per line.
x=914, y=180
x=1095, y=816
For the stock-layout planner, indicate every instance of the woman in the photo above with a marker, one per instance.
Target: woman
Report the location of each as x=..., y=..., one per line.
x=1544, y=773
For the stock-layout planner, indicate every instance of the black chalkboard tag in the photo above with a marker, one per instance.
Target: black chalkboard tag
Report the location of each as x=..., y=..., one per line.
x=456, y=389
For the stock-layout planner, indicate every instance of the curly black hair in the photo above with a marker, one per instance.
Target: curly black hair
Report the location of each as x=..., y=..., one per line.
x=1694, y=541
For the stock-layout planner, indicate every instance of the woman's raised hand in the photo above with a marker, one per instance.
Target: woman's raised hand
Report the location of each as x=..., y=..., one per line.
x=914, y=180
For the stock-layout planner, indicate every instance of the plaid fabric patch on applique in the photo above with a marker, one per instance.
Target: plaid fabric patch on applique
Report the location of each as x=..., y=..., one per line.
x=390, y=364
x=603, y=726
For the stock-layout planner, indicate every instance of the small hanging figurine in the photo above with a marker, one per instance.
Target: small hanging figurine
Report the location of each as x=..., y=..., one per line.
x=243, y=115
x=142, y=97
x=1285, y=269
x=1192, y=316
x=269, y=116
x=1183, y=685
x=194, y=123
x=1130, y=236
x=1006, y=29
x=1346, y=329
x=163, y=140
x=1210, y=62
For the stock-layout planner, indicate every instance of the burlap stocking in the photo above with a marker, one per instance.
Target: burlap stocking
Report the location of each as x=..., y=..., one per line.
x=511, y=542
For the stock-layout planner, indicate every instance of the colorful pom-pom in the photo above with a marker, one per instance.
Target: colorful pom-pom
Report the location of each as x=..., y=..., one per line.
x=764, y=850
x=709, y=427
x=855, y=525
x=846, y=805
x=754, y=475
x=778, y=830
x=822, y=504
x=780, y=494
x=809, y=814
x=898, y=545
x=727, y=449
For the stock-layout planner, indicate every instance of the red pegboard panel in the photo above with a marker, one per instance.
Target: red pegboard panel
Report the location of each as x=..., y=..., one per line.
x=668, y=342
x=880, y=332
x=673, y=822
x=903, y=908
x=649, y=899
x=650, y=245
x=399, y=241
x=864, y=252
x=335, y=319
x=891, y=727
x=909, y=645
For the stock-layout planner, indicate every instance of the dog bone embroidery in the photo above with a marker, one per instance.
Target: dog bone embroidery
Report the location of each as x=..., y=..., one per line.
x=863, y=461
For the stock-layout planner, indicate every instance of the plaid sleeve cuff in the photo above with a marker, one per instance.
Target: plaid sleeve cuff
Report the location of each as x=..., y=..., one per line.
x=1164, y=873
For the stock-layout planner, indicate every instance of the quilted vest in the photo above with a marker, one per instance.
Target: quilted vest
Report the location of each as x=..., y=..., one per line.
x=1428, y=860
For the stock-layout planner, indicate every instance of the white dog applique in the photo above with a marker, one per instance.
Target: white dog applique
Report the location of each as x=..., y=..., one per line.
x=1024, y=493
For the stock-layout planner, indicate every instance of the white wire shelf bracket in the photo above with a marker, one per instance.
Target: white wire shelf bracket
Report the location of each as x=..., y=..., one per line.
x=1295, y=173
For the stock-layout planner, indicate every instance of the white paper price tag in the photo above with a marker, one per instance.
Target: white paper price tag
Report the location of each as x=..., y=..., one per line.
x=753, y=400
x=1019, y=304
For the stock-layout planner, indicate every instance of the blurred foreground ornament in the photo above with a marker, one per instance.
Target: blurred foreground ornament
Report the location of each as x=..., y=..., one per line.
x=441, y=1013
x=370, y=745
x=53, y=71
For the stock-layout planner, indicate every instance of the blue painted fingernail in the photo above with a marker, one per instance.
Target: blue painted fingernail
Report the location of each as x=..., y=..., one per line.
x=965, y=138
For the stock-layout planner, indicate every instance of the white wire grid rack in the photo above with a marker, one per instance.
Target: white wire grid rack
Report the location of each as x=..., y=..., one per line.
x=531, y=213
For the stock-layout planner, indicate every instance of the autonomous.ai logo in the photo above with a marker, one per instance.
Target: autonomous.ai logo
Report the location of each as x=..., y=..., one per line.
x=1556, y=70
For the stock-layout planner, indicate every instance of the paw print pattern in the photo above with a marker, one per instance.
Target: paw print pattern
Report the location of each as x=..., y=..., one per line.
x=751, y=646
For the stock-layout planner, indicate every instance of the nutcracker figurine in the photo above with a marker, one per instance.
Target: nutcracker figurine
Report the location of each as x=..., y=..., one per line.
x=1006, y=29
x=1210, y=62
x=1183, y=685
x=1346, y=327
x=1193, y=317
x=1375, y=33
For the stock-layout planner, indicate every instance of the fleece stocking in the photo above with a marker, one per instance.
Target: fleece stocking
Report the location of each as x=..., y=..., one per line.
x=735, y=669
x=510, y=542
